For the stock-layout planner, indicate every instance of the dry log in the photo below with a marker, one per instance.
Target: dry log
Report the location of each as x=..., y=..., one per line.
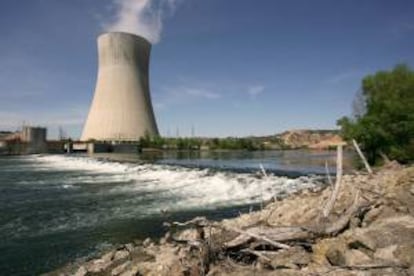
x=328, y=174
x=297, y=234
x=279, y=236
x=343, y=221
x=257, y=253
x=361, y=155
x=276, y=234
x=197, y=222
x=373, y=266
x=256, y=236
x=332, y=199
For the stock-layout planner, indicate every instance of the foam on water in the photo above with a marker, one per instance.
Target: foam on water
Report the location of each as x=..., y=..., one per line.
x=192, y=187
x=130, y=190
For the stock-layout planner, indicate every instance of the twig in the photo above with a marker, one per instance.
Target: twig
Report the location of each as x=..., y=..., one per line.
x=364, y=160
x=262, y=169
x=328, y=174
x=253, y=235
x=334, y=195
x=373, y=266
x=261, y=188
x=256, y=253
x=197, y=221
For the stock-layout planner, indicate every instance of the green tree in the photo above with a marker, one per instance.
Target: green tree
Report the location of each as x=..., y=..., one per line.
x=384, y=121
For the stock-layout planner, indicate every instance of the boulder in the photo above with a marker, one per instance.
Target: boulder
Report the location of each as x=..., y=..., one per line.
x=294, y=257
x=121, y=254
x=120, y=268
x=82, y=271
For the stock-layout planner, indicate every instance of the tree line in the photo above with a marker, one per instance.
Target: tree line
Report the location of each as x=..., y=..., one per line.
x=383, y=116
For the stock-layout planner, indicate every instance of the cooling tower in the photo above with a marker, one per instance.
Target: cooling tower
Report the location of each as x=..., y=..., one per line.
x=121, y=108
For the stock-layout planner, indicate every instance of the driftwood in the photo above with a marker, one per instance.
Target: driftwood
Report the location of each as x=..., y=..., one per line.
x=328, y=174
x=361, y=155
x=270, y=239
x=332, y=199
x=258, y=236
x=283, y=237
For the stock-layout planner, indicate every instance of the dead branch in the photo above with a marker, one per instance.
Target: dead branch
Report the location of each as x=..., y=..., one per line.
x=373, y=266
x=334, y=195
x=257, y=253
x=197, y=222
x=328, y=174
x=361, y=155
x=343, y=221
x=254, y=235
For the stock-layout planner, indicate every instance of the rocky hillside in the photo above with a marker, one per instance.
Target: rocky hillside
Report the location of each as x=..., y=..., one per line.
x=321, y=139
x=369, y=231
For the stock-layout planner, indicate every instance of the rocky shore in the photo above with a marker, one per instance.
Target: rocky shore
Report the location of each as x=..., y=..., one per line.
x=369, y=231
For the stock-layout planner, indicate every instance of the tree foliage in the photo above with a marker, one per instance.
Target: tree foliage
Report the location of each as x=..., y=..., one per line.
x=386, y=124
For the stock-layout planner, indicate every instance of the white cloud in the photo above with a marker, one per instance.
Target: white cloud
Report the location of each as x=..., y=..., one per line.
x=179, y=94
x=200, y=93
x=254, y=91
x=344, y=76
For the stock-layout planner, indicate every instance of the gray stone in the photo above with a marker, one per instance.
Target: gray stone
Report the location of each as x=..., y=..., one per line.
x=290, y=258
x=335, y=257
x=82, y=271
x=147, y=242
x=120, y=268
x=386, y=253
x=371, y=216
x=130, y=247
x=405, y=253
x=98, y=265
x=121, y=254
x=355, y=257
x=108, y=256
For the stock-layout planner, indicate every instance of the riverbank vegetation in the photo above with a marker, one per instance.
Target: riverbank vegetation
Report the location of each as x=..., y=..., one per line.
x=383, y=119
x=195, y=143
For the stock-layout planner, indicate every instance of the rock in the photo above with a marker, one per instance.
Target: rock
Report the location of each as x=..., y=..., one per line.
x=82, y=271
x=397, y=230
x=371, y=216
x=187, y=235
x=121, y=254
x=335, y=257
x=147, y=242
x=108, y=256
x=290, y=258
x=405, y=253
x=120, y=268
x=386, y=253
x=130, y=247
x=355, y=257
x=98, y=266
x=166, y=238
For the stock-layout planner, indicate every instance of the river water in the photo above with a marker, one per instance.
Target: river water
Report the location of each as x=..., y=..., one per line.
x=55, y=209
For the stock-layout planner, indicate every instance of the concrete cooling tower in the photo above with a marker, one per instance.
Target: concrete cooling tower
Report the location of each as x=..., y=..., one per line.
x=121, y=108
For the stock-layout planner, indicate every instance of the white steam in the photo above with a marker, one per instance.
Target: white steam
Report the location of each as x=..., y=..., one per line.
x=141, y=17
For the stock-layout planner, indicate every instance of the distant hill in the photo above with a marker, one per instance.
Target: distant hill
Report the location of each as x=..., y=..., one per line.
x=308, y=138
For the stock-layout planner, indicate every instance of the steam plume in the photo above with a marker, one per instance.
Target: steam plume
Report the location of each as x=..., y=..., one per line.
x=141, y=17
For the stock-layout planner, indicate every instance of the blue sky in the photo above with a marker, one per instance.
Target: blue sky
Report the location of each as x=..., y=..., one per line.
x=228, y=68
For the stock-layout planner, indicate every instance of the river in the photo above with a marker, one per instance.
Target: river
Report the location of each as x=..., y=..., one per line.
x=55, y=209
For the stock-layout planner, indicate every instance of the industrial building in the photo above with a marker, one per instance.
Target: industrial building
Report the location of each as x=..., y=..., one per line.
x=121, y=109
x=27, y=141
